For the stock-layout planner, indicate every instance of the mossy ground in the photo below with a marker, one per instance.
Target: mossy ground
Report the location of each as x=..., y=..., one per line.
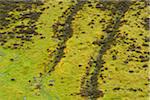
x=29, y=47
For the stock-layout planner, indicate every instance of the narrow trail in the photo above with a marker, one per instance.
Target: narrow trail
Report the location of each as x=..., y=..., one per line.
x=65, y=34
x=91, y=91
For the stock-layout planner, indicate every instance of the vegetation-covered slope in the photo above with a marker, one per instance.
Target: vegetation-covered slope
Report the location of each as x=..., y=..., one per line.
x=74, y=50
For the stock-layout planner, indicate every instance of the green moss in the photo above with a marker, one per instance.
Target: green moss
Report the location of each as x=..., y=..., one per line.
x=28, y=65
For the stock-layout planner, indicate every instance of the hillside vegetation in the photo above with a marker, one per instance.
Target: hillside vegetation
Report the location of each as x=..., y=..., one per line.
x=74, y=50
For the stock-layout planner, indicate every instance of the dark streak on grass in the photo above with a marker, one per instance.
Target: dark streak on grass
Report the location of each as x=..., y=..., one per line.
x=91, y=90
x=65, y=34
